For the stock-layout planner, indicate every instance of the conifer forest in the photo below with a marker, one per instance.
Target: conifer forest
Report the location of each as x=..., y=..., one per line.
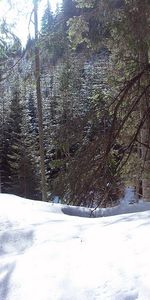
x=75, y=103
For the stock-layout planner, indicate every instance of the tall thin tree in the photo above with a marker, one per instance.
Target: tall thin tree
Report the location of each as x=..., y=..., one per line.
x=39, y=102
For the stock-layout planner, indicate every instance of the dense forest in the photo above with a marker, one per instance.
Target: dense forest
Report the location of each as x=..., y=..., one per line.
x=75, y=103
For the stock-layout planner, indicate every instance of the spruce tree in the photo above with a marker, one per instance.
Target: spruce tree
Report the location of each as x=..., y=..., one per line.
x=39, y=103
x=15, y=147
x=47, y=22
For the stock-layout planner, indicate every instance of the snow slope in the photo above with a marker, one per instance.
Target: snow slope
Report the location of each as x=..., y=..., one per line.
x=48, y=255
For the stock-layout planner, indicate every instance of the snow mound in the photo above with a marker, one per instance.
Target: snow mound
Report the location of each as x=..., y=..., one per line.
x=48, y=255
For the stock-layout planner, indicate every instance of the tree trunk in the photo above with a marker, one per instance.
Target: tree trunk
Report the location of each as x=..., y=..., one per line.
x=39, y=103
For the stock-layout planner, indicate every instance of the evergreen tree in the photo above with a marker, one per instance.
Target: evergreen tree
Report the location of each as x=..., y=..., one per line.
x=39, y=103
x=47, y=20
x=17, y=174
x=4, y=163
x=15, y=141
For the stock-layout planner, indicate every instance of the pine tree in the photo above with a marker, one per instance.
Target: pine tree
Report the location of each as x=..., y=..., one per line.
x=47, y=20
x=15, y=141
x=39, y=103
x=4, y=162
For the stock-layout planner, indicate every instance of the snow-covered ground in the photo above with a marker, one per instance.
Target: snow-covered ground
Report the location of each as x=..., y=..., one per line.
x=46, y=254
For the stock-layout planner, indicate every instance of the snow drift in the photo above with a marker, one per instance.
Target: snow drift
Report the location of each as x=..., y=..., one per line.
x=48, y=255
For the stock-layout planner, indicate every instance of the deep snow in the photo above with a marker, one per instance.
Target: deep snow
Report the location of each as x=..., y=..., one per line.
x=48, y=255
